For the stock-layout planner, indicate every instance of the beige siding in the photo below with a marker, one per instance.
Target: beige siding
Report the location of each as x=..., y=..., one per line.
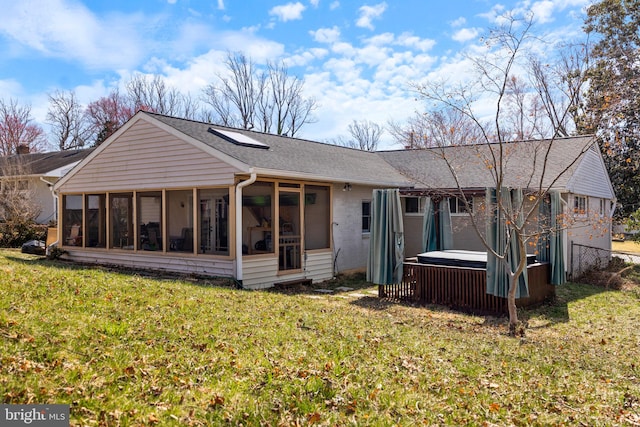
x=319, y=266
x=204, y=265
x=261, y=271
x=146, y=157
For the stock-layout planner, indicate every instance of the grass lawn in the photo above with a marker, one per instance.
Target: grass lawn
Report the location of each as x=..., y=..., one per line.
x=130, y=349
x=629, y=246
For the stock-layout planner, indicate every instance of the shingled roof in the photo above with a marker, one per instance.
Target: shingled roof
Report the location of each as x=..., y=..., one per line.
x=41, y=164
x=525, y=162
x=300, y=156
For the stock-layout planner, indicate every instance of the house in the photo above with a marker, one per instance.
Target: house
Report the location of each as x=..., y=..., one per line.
x=36, y=173
x=185, y=196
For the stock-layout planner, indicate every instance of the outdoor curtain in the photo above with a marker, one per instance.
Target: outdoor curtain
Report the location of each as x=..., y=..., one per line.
x=551, y=241
x=496, y=232
x=441, y=238
x=429, y=237
x=556, y=243
x=386, y=240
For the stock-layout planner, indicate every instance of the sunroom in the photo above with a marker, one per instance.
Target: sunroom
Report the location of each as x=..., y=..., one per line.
x=281, y=225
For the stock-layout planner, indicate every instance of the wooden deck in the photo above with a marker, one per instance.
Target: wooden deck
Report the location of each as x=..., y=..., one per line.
x=463, y=288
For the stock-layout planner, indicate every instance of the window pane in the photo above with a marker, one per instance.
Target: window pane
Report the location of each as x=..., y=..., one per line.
x=412, y=204
x=366, y=216
x=213, y=218
x=96, y=221
x=149, y=210
x=180, y=220
x=121, y=224
x=317, y=217
x=257, y=214
x=72, y=220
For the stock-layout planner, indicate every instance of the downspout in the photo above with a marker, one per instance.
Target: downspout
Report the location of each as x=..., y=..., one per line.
x=565, y=237
x=55, y=209
x=239, y=188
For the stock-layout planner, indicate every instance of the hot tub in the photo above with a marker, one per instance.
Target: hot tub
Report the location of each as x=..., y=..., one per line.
x=460, y=258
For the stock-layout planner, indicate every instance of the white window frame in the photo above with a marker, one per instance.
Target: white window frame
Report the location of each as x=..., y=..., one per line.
x=580, y=206
x=459, y=208
x=603, y=207
x=421, y=203
x=362, y=216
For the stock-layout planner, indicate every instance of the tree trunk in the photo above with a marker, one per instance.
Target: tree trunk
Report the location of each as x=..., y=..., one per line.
x=514, y=328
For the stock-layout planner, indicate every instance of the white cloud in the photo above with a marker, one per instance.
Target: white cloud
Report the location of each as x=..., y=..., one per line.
x=381, y=39
x=459, y=22
x=314, y=3
x=326, y=35
x=334, y=5
x=288, y=12
x=171, y=1
x=409, y=40
x=220, y=4
x=543, y=11
x=369, y=13
x=465, y=34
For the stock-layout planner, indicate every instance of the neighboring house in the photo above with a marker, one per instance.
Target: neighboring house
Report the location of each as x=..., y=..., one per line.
x=185, y=196
x=35, y=174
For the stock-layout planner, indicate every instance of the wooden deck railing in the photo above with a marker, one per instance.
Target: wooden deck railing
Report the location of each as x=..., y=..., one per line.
x=462, y=288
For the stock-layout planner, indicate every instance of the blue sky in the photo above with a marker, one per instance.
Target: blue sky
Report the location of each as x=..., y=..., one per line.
x=356, y=57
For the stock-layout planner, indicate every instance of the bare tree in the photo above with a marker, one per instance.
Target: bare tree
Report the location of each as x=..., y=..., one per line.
x=68, y=122
x=268, y=100
x=365, y=135
x=107, y=115
x=497, y=77
x=17, y=194
x=560, y=87
x=151, y=93
x=289, y=109
x=439, y=128
x=17, y=130
x=235, y=99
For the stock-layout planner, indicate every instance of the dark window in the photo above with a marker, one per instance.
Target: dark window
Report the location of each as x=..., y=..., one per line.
x=366, y=216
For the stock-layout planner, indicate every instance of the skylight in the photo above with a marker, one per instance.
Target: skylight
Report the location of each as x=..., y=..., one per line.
x=238, y=138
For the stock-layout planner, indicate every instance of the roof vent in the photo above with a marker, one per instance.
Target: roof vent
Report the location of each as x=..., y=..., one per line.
x=238, y=138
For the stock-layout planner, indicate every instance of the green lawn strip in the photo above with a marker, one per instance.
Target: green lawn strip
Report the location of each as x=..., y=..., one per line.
x=128, y=349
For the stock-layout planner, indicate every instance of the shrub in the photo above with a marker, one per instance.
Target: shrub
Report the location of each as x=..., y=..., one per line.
x=14, y=233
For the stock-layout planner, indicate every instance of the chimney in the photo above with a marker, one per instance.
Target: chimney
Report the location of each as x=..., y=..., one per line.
x=22, y=149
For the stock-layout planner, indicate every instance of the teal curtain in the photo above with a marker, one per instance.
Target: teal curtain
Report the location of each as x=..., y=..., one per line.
x=446, y=232
x=429, y=237
x=544, y=222
x=496, y=232
x=556, y=243
x=386, y=240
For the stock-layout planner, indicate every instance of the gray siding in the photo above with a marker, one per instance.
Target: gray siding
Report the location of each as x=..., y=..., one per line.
x=591, y=178
x=146, y=157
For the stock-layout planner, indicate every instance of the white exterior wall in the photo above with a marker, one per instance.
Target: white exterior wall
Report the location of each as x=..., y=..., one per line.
x=351, y=245
x=44, y=198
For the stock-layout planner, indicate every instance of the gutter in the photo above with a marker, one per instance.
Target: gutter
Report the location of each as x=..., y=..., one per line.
x=239, y=188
